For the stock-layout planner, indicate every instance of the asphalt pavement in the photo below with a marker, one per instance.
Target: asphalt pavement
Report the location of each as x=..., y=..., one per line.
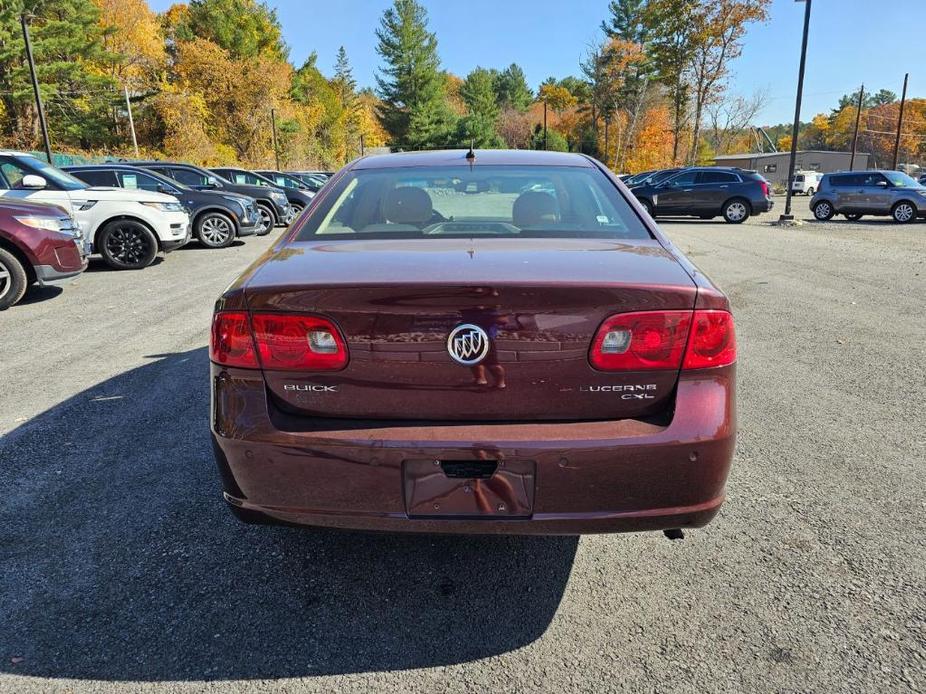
x=121, y=570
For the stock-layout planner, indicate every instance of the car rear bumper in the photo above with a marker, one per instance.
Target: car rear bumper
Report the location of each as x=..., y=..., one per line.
x=561, y=478
x=764, y=205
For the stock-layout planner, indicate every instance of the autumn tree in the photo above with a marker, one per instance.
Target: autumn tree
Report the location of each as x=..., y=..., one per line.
x=414, y=110
x=720, y=26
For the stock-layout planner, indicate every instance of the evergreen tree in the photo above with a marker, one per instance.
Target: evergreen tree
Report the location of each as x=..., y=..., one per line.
x=67, y=41
x=478, y=92
x=412, y=87
x=511, y=89
x=627, y=20
x=244, y=28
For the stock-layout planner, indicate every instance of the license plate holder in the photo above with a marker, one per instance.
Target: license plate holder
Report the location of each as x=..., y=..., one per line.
x=469, y=488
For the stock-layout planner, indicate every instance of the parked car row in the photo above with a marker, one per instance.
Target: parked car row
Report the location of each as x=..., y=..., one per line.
x=52, y=219
x=702, y=191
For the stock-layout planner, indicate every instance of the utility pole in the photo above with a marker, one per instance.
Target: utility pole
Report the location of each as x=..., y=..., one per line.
x=858, y=117
x=273, y=125
x=903, y=100
x=787, y=216
x=361, y=144
x=24, y=19
x=128, y=106
x=544, y=124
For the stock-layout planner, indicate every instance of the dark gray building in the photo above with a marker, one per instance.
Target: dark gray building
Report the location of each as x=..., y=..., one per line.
x=774, y=166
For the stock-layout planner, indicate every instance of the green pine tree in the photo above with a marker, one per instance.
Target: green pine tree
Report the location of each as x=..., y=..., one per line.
x=66, y=42
x=511, y=89
x=478, y=126
x=414, y=110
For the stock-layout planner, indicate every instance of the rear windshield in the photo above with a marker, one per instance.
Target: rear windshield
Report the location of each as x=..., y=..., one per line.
x=525, y=201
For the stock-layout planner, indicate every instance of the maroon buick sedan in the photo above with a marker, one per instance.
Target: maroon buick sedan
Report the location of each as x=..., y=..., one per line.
x=474, y=342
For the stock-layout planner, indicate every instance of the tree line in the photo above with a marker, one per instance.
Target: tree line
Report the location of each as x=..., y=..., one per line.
x=203, y=77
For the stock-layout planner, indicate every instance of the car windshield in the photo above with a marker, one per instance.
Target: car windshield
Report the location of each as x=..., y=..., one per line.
x=283, y=180
x=660, y=176
x=901, y=180
x=525, y=201
x=62, y=179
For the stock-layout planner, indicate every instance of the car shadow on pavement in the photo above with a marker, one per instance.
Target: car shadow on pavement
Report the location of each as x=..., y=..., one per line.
x=36, y=295
x=121, y=563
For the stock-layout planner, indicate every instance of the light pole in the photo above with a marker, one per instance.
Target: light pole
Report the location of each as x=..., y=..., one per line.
x=787, y=216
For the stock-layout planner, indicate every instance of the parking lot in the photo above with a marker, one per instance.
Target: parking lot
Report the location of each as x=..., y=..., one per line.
x=122, y=570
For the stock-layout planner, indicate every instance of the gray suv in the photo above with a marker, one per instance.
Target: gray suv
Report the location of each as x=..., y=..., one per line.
x=854, y=193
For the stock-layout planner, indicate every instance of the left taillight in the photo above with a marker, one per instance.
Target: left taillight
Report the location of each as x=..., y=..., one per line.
x=298, y=342
x=232, y=343
x=277, y=341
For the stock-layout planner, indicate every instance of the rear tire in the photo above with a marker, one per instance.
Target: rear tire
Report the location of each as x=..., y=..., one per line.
x=853, y=217
x=648, y=206
x=823, y=211
x=810, y=192
x=735, y=211
x=127, y=245
x=903, y=212
x=13, y=279
x=215, y=230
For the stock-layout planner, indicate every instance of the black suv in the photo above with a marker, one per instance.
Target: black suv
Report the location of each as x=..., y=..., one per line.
x=706, y=192
x=299, y=198
x=217, y=217
x=271, y=202
x=292, y=185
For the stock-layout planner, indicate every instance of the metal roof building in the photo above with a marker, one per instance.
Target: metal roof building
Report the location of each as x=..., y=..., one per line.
x=774, y=165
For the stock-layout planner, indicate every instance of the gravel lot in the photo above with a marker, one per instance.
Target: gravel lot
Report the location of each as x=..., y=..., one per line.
x=122, y=570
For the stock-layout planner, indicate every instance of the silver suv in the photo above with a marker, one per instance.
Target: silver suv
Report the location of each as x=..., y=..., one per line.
x=854, y=193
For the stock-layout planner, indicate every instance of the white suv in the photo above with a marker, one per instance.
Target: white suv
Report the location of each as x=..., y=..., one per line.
x=127, y=227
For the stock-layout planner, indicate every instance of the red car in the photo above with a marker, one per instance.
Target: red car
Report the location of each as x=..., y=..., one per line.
x=39, y=243
x=482, y=342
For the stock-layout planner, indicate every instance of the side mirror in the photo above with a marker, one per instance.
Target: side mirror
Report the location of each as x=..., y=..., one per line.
x=882, y=184
x=33, y=181
x=164, y=188
x=212, y=182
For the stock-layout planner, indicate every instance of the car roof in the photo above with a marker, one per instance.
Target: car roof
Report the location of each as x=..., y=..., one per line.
x=104, y=165
x=485, y=157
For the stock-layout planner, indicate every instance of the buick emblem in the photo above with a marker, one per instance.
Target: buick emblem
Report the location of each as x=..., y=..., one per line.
x=468, y=344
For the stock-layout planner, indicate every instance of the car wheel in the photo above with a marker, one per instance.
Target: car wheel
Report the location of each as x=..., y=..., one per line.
x=13, y=280
x=903, y=212
x=854, y=217
x=215, y=230
x=823, y=211
x=810, y=192
x=736, y=211
x=648, y=206
x=297, y=209
x=267, y=220
x=127, y=245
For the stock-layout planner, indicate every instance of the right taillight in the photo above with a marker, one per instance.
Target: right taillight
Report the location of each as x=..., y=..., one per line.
x=279, y=341
x=664, y=340
x=712, y=341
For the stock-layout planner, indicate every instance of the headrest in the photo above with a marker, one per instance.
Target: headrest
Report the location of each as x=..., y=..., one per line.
x=407, y=205
x=534, y=208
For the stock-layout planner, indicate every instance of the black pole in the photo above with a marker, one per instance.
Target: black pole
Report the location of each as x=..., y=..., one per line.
x=35, y=86
x=903, y=100
x=858, y=117
x=787, y=216
x=273, y=125
x=544, y=124
x=361, y=144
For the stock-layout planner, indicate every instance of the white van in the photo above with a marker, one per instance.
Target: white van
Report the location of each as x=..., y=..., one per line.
x=127, y=227
x=806, y=182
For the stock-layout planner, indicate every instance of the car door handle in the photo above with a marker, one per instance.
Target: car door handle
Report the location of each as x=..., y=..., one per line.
x=687, y=190
x=724, y=186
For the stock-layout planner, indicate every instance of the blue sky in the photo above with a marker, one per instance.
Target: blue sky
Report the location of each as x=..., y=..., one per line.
x=851, y=41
